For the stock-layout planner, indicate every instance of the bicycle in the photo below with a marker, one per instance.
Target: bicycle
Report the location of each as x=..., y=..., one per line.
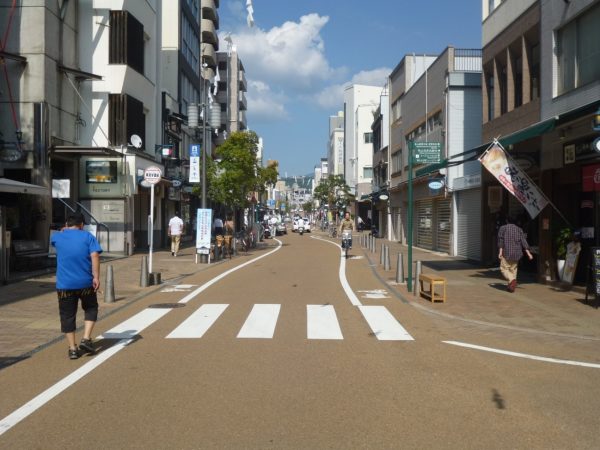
x=333, y=231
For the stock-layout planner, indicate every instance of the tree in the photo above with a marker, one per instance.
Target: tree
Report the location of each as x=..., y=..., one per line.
x=307, y=207
x=235, y=173
x=334, y=192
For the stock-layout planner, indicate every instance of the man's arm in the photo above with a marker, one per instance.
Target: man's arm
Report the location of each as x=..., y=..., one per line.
x=95, y=270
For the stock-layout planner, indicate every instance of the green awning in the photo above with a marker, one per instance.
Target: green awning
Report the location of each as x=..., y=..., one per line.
x=518, y=136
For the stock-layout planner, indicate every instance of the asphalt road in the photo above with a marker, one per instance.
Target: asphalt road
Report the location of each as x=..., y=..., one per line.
x=275, y=353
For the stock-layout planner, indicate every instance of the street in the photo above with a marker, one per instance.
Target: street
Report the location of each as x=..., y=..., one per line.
x=292, y=346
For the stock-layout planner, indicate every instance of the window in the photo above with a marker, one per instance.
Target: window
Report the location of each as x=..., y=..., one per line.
x=490, y=96
x=518, y=68
x=368, y=138
x=367, y=172
x=190, y=43
x=100, y=172
x=126, y=41
x=397, y=162
x=578, y=51
x=535, y=71
x=126, y=117
x=396, y=110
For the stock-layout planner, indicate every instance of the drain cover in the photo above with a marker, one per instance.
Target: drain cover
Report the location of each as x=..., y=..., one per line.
x=167, y=305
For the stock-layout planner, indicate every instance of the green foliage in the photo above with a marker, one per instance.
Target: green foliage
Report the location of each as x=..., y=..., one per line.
x=333, y=191
x=307, y=207
x=235, y=172
x=563, y=237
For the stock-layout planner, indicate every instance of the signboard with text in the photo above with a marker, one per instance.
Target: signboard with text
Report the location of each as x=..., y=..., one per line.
x=194, y=163
x=203, y=225
x=426, y=152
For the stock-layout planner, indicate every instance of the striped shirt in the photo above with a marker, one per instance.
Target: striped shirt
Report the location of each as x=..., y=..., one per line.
x=512, y=241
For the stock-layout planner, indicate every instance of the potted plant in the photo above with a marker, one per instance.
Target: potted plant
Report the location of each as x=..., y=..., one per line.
x=561, y=240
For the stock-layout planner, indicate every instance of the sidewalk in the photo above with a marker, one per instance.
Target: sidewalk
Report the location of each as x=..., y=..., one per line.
x=29, y=310
x=479, y=294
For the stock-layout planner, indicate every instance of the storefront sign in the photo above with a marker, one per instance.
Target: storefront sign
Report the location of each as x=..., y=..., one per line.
x=514, y=179
x=100, y=177
x=591, y=178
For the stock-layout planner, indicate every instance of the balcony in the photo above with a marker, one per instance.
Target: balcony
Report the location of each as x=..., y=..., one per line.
x=243, y=103
x=243, y=82
x=209, y=55
x=243, y=124
x=209, y=33
x=209, y=10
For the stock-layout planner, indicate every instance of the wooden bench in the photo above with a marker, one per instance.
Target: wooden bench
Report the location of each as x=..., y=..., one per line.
x=431, y=294
x=30, y=254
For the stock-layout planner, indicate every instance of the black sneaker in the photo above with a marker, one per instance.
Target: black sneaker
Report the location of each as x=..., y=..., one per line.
x=87, y=345
x=73, y=353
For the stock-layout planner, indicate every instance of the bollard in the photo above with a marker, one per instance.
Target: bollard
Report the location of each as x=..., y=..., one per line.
x=382, y=254
x=154, y=278
x=417, y=284
x=109, y=288
x=373, y=245
x=386, y=258
x=400, y=269
x=144, y=272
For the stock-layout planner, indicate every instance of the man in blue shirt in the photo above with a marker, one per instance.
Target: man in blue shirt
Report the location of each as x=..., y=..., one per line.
x=77, y=277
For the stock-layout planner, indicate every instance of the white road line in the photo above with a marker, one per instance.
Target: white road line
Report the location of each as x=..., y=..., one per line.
x=524, y=355
x=342, y=275
x=261, y=322
x=385, y=327
x=322, y=323
x=132, y=328
x=199, y=322
x=209, y=283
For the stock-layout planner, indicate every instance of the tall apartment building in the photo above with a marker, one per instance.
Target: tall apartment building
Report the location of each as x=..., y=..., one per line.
x=360, y=102
x=231, y=93
x=335, y=147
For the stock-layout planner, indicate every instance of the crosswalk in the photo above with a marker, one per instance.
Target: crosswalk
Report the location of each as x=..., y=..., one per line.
x=321, y=323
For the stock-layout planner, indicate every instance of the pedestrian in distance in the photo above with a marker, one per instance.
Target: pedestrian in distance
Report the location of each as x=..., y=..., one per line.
x=218, y=226
x=77, y=278
x=175, y=230
x=511, y=245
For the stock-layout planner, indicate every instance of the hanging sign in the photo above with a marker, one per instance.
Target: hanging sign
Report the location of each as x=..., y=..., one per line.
x=194, y=163
x=514, y=179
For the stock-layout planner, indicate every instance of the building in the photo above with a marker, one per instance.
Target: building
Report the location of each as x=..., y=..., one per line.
x=360, y=102
x=439, y=106
x=335, y=148
x=231, y=93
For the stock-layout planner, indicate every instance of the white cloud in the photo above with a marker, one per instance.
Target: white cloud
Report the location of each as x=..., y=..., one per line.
x=292, y=55
x=333, y=96
x=264, y=105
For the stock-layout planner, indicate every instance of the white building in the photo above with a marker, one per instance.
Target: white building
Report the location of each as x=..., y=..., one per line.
x=335, y=148
x=360, y=102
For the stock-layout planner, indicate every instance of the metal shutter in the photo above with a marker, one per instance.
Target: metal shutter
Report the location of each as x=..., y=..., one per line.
x=468, y=223
x=443, y=224
x=424, y=224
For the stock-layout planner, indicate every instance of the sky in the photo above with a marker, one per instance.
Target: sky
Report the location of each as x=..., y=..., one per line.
x=301, y=54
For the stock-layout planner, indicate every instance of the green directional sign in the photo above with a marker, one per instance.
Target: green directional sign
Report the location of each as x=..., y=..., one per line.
x=426, y=152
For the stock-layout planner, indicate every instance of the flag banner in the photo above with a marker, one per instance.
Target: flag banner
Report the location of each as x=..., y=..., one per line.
x=514, y=179
x=194, y=163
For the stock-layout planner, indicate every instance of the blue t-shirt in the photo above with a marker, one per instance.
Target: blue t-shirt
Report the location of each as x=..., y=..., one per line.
x=74, y=263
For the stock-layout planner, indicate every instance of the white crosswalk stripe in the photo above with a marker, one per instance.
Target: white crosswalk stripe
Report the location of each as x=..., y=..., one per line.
x=261, y=322
x=321, y=323
x=385, y=327
x=199, y=322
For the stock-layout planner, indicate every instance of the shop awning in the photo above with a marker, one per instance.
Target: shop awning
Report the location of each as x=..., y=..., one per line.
x=81, y=150
x=18, y=187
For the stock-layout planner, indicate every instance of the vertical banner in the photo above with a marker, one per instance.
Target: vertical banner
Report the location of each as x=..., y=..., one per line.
x=514, y=179
x=203, y=225
x=194, y=163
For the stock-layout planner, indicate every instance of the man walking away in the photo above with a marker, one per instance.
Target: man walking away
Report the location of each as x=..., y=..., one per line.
x=77, y=277
x=511, y=244
x=175, y=231
x=218, y=226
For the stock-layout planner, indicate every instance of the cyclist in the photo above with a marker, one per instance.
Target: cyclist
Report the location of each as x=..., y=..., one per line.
x=346, y=224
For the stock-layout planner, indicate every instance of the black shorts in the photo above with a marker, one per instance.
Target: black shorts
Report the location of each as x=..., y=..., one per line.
x=67, y=306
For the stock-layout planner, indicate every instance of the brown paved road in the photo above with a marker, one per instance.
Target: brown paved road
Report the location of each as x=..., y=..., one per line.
x=292, y=392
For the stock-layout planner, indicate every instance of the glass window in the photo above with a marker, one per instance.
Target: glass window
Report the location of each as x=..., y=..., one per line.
x=367, y=172
x=368, y=138
x=578, y=51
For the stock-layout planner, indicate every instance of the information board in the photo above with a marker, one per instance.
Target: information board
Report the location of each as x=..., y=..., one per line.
x=426, y=152
x=203, y=225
